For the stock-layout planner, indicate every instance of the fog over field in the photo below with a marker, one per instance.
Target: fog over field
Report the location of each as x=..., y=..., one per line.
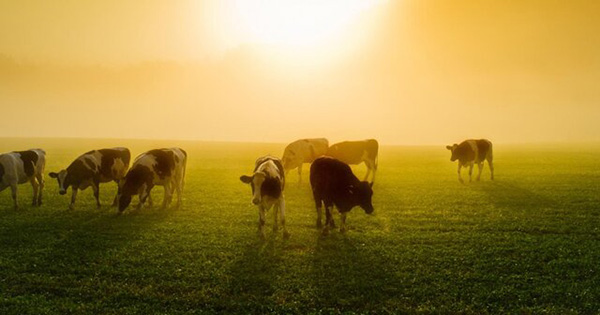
x=404, y=72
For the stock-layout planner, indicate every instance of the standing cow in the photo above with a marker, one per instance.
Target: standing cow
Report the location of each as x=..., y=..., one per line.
x=356, y=152
x=303, y=151
x=20, y=167
x=91, y=169
x=162, y=167
x=471, y=152
x=333, y=183
x=268, y=182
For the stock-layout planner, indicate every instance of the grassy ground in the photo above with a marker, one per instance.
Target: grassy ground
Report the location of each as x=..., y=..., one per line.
x=529, y=241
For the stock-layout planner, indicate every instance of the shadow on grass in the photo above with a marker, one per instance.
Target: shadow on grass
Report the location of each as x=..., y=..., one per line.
x=252, y=276
x=48, y=252
x=350, y=275
x=511, y=195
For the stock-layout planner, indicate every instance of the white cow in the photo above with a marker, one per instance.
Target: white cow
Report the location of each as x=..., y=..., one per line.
x=268, y=182
x=303, y=151
x=20, y=167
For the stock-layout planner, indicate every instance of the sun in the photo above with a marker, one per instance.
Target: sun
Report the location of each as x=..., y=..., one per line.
x=297, y=23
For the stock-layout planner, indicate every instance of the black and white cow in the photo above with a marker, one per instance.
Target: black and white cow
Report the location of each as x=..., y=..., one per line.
x=20, y=167
x=333, y=183
x=159, y=167
x=92, y=168
x=268, y=182
x=356, y=152
x=471, y=152
x=303, y=151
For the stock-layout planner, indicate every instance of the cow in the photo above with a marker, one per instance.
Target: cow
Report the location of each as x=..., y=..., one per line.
x=356, y=152
x=19, y=167
x=162, y=167
x=268, y=183
x=303, y=151
x=333, y=183
x=471, y=152
x=90, y=170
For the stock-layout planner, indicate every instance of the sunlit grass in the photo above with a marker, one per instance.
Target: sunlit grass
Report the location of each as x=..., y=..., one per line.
x=529, y=241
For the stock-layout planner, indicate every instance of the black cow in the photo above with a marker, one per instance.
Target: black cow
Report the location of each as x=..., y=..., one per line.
x=91, y=169
x=333, y=183
x=470, y=152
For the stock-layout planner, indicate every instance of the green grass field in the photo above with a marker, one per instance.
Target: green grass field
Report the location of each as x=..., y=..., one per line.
x=527, y=242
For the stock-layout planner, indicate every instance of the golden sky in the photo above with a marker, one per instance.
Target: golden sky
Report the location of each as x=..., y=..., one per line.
x=404, y=72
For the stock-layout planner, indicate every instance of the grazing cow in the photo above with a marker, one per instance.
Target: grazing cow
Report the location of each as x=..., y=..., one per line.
x=162, y=167
x=470, y=152
x=91, y=169
x=268, y=182
x=333, y=183
x=20, y=167
x=303, y=151
x=356, y=152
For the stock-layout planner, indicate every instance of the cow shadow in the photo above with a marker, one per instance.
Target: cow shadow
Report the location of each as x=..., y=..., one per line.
x=350, y=275
x=252, y=275
x=52, y=244
x=510, y=195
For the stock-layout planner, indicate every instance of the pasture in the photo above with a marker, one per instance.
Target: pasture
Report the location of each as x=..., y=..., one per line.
x=527, y=242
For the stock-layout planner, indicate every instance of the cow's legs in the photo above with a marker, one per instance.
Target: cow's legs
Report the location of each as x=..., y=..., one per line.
x=329, y=215
x=491, y=165
x=374, y=171
x=480, y=166
x=275, y=213
x=150, y=202
x=96, y=188
x=459, y=178
x=318, y=205
x=281, y=207
x=300, y=174
x=369, y=169
x=144, y=195
x=179, y=190
x=40, y=180
x=343, y=224
x=73, y=197
x=116, y=200
x=470, y=171
x=168, y=195
x=36, y=186
x=13, y=189
x=261, y=222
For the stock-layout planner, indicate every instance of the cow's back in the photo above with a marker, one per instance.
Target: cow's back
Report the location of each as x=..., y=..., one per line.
x=353, y=152
x=114, y=163
x=484, y=148
x=330, y=175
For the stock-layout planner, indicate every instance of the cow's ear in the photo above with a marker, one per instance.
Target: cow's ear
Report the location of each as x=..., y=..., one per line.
x=53, y=175
x=246, y=179
x=449, y=147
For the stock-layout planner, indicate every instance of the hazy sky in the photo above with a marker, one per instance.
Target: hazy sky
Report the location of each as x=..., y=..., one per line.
x=404, y=72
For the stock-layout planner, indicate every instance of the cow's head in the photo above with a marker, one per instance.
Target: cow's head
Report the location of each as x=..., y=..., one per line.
x=363, y=193
x=289, y=160
x=63, y=180
x=124, y=201
x=256, y=181
x=452, y=149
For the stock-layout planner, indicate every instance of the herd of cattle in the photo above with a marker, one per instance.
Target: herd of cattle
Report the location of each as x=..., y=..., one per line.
x=331, y=179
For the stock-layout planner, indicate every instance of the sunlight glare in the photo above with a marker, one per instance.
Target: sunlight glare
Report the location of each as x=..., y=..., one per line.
x=298, y=23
